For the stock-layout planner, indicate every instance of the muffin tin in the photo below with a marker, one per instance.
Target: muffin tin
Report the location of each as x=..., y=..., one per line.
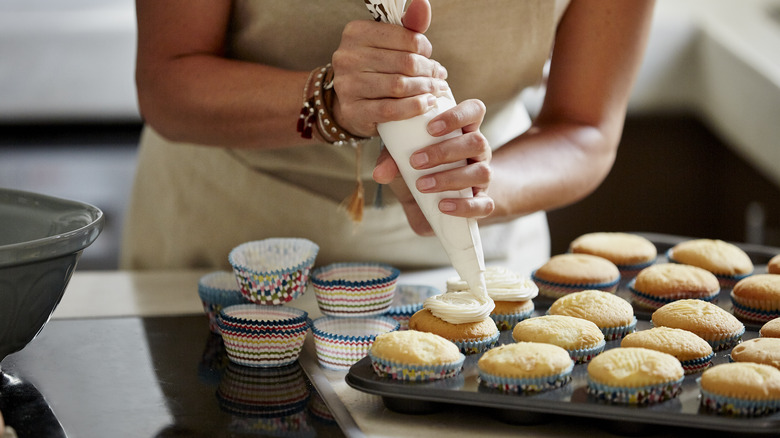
x=572, y=399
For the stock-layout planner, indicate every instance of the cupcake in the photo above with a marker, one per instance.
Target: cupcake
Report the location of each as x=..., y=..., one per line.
x=511, y=293
x=470, y=337
x=613, y=315
x=770, y=329
x=663, y=283
x=581, y=338
x=741, y=389
x=567, y=273
x=773, y=267
x=758, y=350
x=757, y=298
x=635, y=376
x=525, y=367
x=727, y=261
x=629, y=252
x=694, y=353
x=708, y=321
x=416, y=356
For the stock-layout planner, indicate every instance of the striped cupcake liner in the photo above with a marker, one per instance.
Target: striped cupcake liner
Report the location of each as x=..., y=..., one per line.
x=694, y=366
x=754, y=310
x=737, y=407
x=341, y=342
x=470, y=346
x=725, y=342
x=415, y=373
x=642, y=395
x=254, y=317
x=555, y=290
x=653, y=302
x=509, y=321
x=525, y=385
x=618, y=332
x=354, y=289
x=726, y=281
x=216, y=291
x=584, y=355
x=273, y=271
x=263, y=348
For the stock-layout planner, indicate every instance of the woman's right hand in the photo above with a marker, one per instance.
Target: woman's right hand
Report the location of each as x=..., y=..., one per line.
x=383, y=72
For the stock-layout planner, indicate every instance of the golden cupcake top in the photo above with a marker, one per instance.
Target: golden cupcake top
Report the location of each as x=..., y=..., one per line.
x=525, y=359
x=619, y=248
x=633, y=367
x=700, y=317
x=758, y=350
x=670, y=279
x=745, y=380
x=682, y=344
x=579, y=269
x=414, y=347
x=770, y=329
x=714, y=255
x=773, y=267
x=758, y=287
x=565, y=331
x=604, y=309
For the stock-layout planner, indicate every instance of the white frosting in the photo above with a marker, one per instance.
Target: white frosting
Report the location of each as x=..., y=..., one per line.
x=502, y=285
x=459, y=307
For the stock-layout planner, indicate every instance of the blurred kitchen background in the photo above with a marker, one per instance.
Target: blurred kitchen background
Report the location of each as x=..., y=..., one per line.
x=700, y=154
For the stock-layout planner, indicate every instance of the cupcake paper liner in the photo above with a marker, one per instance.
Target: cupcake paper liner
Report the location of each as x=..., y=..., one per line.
x=254, y=317
x=407, y=300
x=341, y=342
x=217, y=290
x=469, y=347
x=724, y=342
x=508, y=321
x=697, y=365
x=584, y=355
x=732, y=406
x=557, y=290
x=262, y=347
x=755, y=310
x=618, y=332
x=641, y=395
x=273, y=271
x=525, y=385
x=354, y=289
x=630, y=271
x=726, y=281
x=415, y=373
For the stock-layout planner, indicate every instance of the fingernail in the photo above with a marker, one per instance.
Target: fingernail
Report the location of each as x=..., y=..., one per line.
x=431, y=101
x=419, y=159
x=425, y=183
x=436, y=128
x=447, y=206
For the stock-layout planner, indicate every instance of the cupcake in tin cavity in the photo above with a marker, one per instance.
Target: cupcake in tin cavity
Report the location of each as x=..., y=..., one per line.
x=757, y=298
x=773, y=267
x=719, y=328
x=727, y=261
x=511, y=293
x=758, y=350
x=694, y=353
x=415, y=356
x=525, y=367
x=613, y=315
x=566, y=273
x=635, y=376
x=629, y=252
x=741, y=389
x=581, y=338
x=770, y=329
x=470, y=337
x=664, y=283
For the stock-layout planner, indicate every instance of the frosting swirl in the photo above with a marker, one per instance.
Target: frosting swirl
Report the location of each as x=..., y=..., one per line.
x=459, y=307
x=502, y=285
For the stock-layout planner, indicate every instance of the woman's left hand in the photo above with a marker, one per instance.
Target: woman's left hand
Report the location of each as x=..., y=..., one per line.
x=472, y=146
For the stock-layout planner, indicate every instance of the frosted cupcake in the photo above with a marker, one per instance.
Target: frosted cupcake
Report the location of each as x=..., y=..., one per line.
x=511, y=293
x=629, y=252
x=525, y=367
x=666, y=282
x=727, y=261
x=694, y=353
x=635, y=376
x=567, y=273
x=742, y=389
x=757, y=298
x=415, y=356
x=613, y=315
x=718, y=327
x=581, y=338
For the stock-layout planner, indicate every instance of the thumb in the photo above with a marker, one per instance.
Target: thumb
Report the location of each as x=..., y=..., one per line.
x=417, y=16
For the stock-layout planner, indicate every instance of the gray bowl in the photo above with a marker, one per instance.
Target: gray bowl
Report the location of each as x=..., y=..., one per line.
x=41, y=240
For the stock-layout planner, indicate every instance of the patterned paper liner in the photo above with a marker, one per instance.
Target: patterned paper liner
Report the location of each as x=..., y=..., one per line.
x=584, y=355
x=693, y=366
x=254, y=317
x=618, y=332
x=525, y=385
x=724, y=342
x=415, y=373
x=555, y=290
x=737, y=407
x=508, y=321
x=217, y=290
x=755, y=310
x=726, y=281
x=354, y=289
x=654, y=302
x=273, y=271
x=263, y=391
x=263, y=348
x=469, y=347
x=341, y=342
x=408, y=300
x=641, y=395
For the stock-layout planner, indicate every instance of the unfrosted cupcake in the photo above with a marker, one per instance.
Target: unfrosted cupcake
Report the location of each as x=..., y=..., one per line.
x=581, y=338
x=634, y=376
x=773, y=267
x=770, y=329
x=742, y=389
x=567, y=273
x=525, y=367
x=727, y=261
x=629, y=252
x=470, y=337
x=694, y=353
x=757, y=298
x=415, y=356
x=613, y=315
x=512, y=294
x=758, y=350
x=713, y=324
x=663, y=283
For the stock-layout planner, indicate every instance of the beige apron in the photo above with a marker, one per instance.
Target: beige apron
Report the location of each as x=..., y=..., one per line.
x=191, y=204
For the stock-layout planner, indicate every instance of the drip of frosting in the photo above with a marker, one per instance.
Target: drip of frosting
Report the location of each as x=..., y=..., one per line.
x=502, y=285
x=459, y=307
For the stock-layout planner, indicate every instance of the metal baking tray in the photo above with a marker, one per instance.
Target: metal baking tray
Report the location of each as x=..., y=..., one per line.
x=572, y=399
